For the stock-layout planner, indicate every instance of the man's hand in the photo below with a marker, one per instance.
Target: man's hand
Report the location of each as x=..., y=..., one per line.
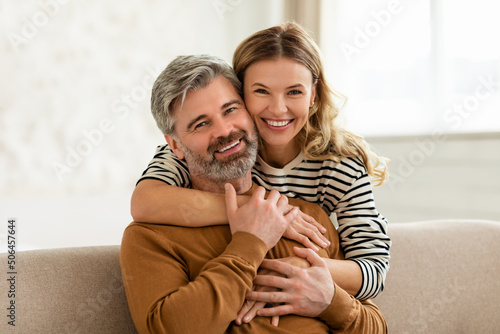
x=304, y=291
x=260, y=216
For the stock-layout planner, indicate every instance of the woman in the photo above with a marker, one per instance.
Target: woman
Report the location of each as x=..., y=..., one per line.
x=303, y=154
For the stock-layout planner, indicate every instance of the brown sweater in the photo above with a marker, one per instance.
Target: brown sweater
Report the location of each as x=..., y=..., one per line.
x=194, y=280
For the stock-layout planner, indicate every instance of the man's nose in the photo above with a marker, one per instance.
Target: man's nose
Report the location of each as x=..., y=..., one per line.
x=222, y=128
x=278, y=105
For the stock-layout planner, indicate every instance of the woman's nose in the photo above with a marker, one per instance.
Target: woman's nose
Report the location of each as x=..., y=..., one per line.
x=278, y=105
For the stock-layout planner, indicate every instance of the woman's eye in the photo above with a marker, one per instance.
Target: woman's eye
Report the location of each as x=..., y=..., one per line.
x=294, y=92
x=261, y=91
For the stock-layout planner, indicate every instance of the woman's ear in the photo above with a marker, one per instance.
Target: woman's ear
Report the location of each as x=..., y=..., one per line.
x=174, y=145
x=313, y=94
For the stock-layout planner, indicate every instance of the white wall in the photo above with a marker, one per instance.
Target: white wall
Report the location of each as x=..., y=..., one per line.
x=440, y=177
x=75, y=127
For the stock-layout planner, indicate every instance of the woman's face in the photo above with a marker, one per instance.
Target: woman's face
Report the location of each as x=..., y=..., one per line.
x=278, y=94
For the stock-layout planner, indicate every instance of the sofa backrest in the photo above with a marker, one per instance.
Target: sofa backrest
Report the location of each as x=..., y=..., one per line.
x=444, y=278
x=69, y=290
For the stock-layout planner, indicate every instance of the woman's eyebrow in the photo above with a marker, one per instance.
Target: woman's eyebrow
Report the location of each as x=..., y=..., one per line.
x=298, y=85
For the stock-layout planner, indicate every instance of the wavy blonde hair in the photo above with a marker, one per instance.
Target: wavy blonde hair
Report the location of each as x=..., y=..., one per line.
x=321, y=137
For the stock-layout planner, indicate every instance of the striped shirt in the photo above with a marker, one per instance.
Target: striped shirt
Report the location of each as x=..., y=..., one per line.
x=340, y=188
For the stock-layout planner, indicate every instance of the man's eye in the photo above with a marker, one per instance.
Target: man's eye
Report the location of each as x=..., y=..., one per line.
x=199, y=125
x=230, y=110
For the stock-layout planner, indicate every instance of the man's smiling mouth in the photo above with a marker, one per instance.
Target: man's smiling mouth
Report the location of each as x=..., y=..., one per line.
x=229, y=146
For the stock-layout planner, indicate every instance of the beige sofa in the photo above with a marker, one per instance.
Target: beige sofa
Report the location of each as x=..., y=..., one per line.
x=444, y=278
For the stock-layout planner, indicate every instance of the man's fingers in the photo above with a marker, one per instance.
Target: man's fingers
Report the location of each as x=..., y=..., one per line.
x=291, y=215
x=311, y=256
x=275, y=297
x=274, y=196
x=278, y=266
x=283, y=203
x=270, y=281
x=231, y=201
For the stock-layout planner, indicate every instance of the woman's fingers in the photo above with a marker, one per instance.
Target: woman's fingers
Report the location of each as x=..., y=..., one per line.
x=312, y=233
x=247, y=306
x=313, y=258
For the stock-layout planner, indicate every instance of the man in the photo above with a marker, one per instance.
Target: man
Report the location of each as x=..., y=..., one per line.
x=194, y=280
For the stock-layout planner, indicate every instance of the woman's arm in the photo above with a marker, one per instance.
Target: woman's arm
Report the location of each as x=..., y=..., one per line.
x=363, y=232
x=154, y=201
x=347, y=274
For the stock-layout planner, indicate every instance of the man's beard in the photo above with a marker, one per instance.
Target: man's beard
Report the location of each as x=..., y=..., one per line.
x=230, y=168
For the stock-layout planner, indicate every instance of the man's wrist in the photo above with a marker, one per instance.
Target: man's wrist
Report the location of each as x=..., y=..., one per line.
x=340, y=311
x=247, y=246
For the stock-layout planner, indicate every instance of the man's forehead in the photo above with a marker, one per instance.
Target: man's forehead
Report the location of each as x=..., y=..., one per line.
x=216, y=96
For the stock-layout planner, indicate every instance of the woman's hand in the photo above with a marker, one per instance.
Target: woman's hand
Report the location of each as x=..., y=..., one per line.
x=306, y=230
x=249, y=309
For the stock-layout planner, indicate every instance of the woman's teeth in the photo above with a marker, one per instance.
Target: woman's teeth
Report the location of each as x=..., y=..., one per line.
x=276, y=123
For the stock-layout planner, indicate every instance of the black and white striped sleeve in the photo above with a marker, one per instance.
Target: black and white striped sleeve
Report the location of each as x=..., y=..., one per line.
x=167, y=167
x=363, y=230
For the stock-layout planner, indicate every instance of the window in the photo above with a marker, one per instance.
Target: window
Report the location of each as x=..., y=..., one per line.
x=414, y=67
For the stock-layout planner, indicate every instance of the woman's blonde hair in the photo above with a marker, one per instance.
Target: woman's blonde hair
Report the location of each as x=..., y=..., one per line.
x=321, y=137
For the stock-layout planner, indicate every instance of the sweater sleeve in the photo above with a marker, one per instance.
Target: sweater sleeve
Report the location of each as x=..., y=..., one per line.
x=163, y=299
x=348, y=315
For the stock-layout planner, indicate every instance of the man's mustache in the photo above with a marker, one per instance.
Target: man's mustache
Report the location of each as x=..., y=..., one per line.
x=222, y=142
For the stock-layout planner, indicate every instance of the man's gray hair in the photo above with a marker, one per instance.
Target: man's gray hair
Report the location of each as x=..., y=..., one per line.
x=184, y=74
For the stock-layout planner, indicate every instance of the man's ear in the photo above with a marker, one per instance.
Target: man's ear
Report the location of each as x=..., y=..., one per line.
x=174, y=145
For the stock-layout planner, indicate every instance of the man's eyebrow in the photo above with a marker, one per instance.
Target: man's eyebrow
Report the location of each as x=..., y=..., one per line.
x=196, y=120
x=227, y=104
